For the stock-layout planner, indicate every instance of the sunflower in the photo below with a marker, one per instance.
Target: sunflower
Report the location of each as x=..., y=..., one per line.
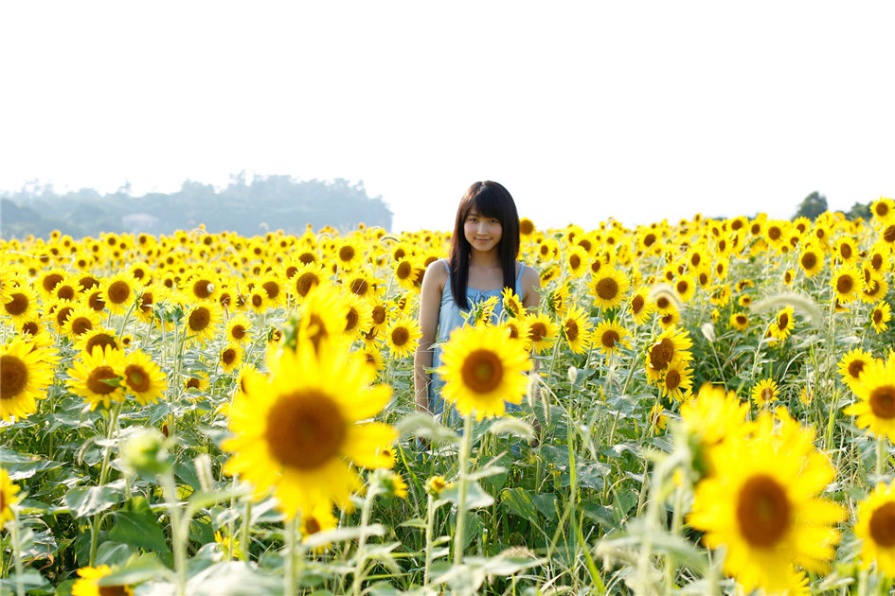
x=8, y=498
x=771, y=520
x=201, y=321
x=405, y=272
x=196, y=383
x=231, y=357
x=577, y=330
x=21, y=303
x=658, y=419
x=712, y=417
x=845, y=250
x=359, y=319
x=517, y=328
x=542, y=331
x=610, y=336
x=143, y=378
x=148, y=298
x=608, y=287
x=306, y=278
x=323, y=314
x=320, y=519
x=882, y=210
x=257, y=301
x=764, y=392
x=577, y=261
x=238, y=328
x=879, y=257
x=402, y=336
x=875, y=287
x=274, y=288
x=672, y=344
x=782, y=325
x=512, y=304
x=80, y=320
x=811, y=259
x=852, y=365
x=482, y=368
x=118, y=293
x=677, y=381
x=874, y=527
x=875, y=390
x=847, y=282
x=200, y=286
x=48, y=280
x=348, y=254
x=558, y=300
x=298, y=430
x=25, y=374
x=640, y=306
x=739, y=321
x=89, y=583
x=101, y=336
x=685, y=287
x=97, y=376
x=880, y=316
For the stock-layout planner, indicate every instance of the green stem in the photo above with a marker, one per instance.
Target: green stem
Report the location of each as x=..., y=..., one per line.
x=362, y=540
x=459, y=531
x=179, y=530
x=430, y=531
x=289, y=575
x=17, y=554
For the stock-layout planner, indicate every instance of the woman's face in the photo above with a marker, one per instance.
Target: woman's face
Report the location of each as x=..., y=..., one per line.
x=483, y=233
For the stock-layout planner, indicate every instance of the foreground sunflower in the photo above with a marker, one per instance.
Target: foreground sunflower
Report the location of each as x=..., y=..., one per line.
x=8, y=498
x=89, y=583
x=875, y=390
x=875, y=527
x=770, y=519
x=296, y=431
x=25, y=374
x=482, y=369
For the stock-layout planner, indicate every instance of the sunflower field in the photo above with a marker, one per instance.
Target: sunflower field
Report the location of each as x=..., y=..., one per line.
x=706, y=407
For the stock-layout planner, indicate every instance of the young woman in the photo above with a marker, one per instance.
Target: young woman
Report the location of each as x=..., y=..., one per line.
x=482, y=262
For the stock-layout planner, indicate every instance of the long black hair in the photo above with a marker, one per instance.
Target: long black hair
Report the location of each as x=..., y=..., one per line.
x=490, y=199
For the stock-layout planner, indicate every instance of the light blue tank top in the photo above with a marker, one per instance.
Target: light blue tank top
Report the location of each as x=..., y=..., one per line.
x=449, y=318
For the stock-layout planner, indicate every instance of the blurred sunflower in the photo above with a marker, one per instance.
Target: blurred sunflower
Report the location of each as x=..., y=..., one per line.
x=852, y=365
x=875, y=390
x=880, y=316
x=658, y=419
x=359, y=319
x=882, y=210
x=512, y=304
x=88, y=584
x=21, y=303
x=239, y=327
x=764, y=392
x=811, y=260
x=25, y=374
x=558, y=300
x=770, y=520
x=100, y=336
x=323, y=315
x=576, y=261
x=517, y=328
x=845, y=250
x=640, y=306
x=542, y=331
x=305, y=279
x=82, y=319
x=671, y=345
x=231, y=356
x=739, y=321
x=8, y=498
x=875, y=287
x=713, y=416
x=96, y=376
x=482, y=369
x=118, y=293
x=847, y=282
x=677, y=381
x=782, y=325
x=875, y=527
x=298, y=431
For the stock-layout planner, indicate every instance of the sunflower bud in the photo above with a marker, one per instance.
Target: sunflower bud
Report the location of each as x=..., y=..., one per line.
x=145, y=453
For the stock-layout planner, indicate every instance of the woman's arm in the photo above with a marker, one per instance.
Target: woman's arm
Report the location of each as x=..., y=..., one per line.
x=430, y=303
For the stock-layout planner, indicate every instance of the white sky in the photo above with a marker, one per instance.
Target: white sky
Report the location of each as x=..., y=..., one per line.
x=583, y=110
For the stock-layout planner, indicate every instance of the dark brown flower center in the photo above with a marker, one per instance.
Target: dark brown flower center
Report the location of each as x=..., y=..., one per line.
x=305, y=430
x=763, y=511
x=882, y=402
x=482, y=371
x=13, y=376
x=882, y=525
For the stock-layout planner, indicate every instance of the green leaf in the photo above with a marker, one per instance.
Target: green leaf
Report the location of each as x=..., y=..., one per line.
x=139, y=529
x=82, y=502
x=519, y=502
x=476, y=497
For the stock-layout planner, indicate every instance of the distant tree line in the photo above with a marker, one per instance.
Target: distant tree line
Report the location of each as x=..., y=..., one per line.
x=247, y=208
x=816, y=203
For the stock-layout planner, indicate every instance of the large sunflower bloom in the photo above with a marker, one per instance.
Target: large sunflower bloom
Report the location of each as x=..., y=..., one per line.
x=875, y=408
x=118, y=293
x=25, y=374
x=482, y=368
x=712, y=417
x=769, y=518
x=672, y=344
x=852, y=365
x=542, y=331
x=21, y=303
x=202, y=321
x=847, y=282
x=610, y=337
x=875, y=527
x=96, y=376
x=297, y=430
